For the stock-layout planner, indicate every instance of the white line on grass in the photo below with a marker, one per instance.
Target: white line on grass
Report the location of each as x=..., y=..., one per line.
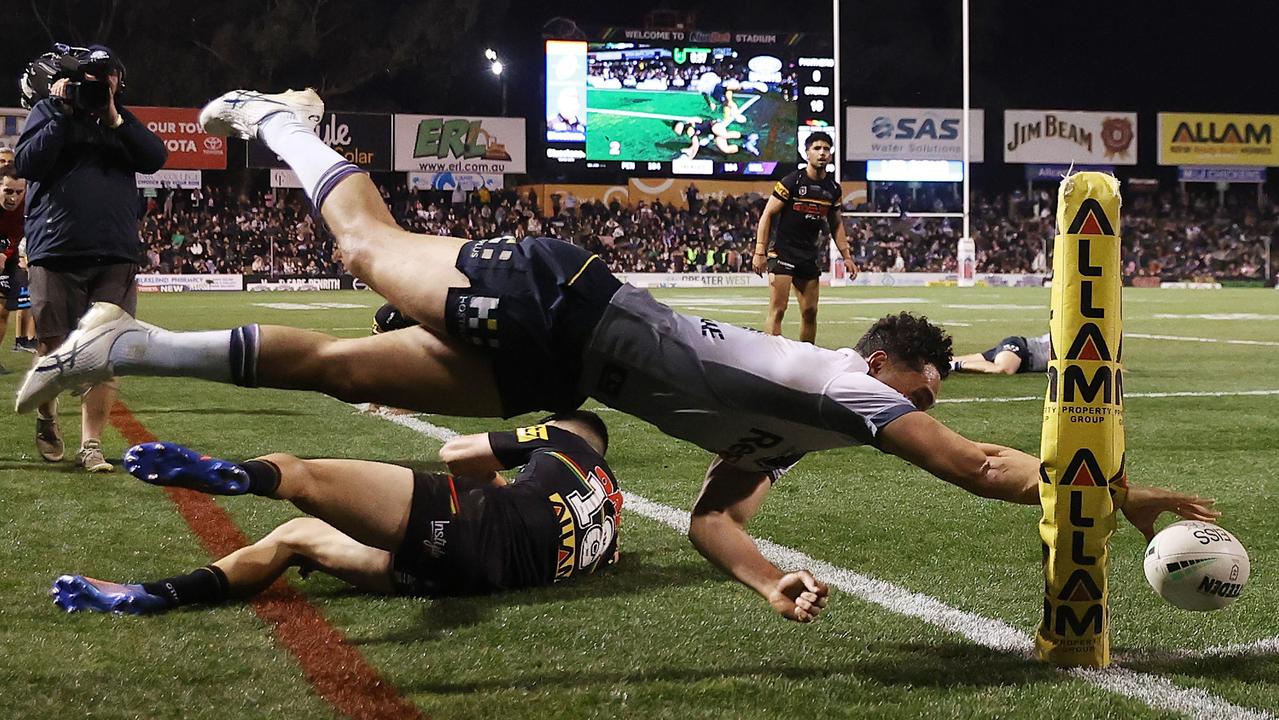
x=1143, y=336
x=1155, y=691
x=1127, y=395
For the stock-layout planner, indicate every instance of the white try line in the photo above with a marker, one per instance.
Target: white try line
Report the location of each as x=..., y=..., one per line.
x=1153, y=690
x=1143, y=336
x=1127, y=395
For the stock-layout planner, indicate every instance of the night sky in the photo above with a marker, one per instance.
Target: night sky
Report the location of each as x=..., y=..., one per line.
x=1136, y=56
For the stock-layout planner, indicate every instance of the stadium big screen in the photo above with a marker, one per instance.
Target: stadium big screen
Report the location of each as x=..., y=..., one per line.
x=673, y=103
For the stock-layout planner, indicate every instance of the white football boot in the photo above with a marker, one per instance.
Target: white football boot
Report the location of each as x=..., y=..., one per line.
x=83, y=359
x=239, y=112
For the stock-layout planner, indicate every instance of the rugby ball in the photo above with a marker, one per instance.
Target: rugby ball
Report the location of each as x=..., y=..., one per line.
x=1197, y=565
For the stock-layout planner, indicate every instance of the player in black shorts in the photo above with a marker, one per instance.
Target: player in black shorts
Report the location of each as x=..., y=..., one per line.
x=385, y=528
x=805, y=203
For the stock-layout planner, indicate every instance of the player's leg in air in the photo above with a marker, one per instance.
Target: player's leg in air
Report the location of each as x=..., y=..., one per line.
x=354, y=529
x=445, y=365
x=1006, y=358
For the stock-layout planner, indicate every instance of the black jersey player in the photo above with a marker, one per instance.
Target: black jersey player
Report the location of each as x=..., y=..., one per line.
x=803, y=204
x=388, y=529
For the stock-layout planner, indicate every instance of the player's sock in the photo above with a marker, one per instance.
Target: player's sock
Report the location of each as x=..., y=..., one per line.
x=202, y=585
x=264, y=477
x=956, y=365
x=318, y=166
x=244, y=355
x=185, y=354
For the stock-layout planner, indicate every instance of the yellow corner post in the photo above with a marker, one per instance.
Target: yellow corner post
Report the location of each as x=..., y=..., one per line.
x=1082, y=478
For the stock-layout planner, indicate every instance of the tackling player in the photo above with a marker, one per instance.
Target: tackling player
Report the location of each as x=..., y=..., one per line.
x=388, y=529
x=1014, y=354
x=803, y=203
x=510, y=326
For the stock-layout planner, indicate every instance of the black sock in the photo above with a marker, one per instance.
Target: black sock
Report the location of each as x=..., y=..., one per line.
x=244, y=355
x=264, y=477
x=206, y=584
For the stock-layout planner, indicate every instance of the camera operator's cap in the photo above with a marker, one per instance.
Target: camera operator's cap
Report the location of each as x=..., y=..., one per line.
x=103, y=56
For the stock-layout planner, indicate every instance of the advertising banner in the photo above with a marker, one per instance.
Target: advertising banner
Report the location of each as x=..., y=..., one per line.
x=1070, y=136
x=1054, y=173
x=1218, y=139
x=190, y=148
x=284, y=178
x=11, y=122
x=896, y=133
x=185, y=179
x=448, y=143
x=361, y=138
x=448, y=181
x=1221, y=173
x=190, y=283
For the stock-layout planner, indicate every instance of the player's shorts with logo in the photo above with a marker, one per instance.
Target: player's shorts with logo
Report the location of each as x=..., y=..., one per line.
x=797, y=267
x=759, y=401
x=532, y=306
x=467, y=537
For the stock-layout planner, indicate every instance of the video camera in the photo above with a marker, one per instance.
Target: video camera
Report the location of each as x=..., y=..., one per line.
x=75, y=64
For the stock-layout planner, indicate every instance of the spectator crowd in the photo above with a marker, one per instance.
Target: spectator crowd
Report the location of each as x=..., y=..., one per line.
x=1165, y=234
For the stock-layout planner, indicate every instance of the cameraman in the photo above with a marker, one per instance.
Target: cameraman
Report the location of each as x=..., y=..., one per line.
x=80, y=151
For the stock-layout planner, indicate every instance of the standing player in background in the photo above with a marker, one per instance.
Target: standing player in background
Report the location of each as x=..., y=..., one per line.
x=1014, y=354
x=804, y=203
x=12, y=191
x=14, y=268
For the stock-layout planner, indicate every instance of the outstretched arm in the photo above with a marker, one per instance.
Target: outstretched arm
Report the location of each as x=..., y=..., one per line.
x=729, y=498
x=1002, y=473
x=991, y=471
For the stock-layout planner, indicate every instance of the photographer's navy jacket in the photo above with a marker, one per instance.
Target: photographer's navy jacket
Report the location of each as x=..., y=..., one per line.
x=82, y=201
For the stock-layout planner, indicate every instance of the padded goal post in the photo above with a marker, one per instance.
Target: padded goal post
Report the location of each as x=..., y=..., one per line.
x=1083, y=482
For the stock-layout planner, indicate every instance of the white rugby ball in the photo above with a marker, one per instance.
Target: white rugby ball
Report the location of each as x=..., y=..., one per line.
x=1197, y=565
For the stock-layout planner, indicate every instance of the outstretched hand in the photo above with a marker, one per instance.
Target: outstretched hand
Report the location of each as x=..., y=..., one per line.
x=1145, y=504
x=799, y=596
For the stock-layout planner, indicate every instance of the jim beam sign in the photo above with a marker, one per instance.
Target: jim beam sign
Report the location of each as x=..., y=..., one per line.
x=1070, y=136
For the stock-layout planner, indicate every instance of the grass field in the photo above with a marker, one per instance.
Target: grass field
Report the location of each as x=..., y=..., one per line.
x=664, y=634
x=639, y=120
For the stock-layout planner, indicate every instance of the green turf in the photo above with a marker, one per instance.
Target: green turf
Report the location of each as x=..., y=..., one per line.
x=663, y=634
x=640, y=121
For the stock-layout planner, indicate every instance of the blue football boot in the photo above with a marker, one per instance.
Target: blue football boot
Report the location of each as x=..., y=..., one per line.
x=77, y=593
x=161, y=463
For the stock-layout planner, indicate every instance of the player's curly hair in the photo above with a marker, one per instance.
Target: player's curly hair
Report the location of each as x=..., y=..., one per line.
x=909, y=338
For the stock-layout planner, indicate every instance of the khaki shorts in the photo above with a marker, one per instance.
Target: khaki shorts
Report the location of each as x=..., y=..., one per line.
x=58, y=299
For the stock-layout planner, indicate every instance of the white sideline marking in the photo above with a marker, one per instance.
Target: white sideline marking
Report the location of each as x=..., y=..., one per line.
x=763, y=301
x=1216, y=316
x=1143, y=336
x=1183, y=393
x=1157, y=692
